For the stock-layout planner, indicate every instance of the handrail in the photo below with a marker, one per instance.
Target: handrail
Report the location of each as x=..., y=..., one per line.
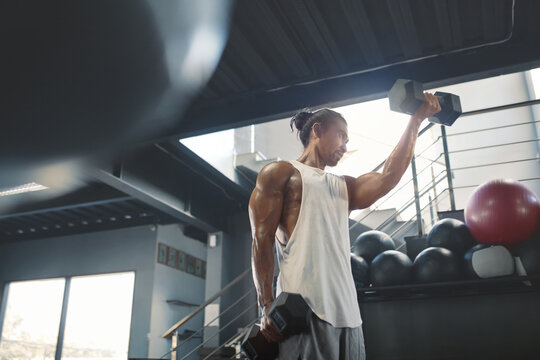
x=241, y=334
x=205, y=304
x=495, y=164
x=501, y=107
x=215, y=318
x=217, y=333
x=494, y=146
x=410, y=221
x=390, y=195
x=423, y=192
x=475, y=112
x=492, y=128
x=442, y=195
x=419, y=155
x=230, y=340
x=468, y=113
x=520, y=180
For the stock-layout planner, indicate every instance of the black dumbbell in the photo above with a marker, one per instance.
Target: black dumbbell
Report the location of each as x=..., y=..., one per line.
x=406, y=96
x=290, y=314
x=257, y=347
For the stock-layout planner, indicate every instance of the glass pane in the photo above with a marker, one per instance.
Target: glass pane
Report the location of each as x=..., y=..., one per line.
x=32, y=319
x=99, y=317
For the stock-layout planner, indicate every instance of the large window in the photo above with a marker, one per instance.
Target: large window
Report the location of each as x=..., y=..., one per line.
x=32, y=319
x=84, y=317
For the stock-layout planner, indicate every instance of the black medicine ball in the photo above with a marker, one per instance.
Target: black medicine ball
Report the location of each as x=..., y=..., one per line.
x=360, y=272
x=436, y=264
x=451, y=234
x=390, y=267
x=371, y=243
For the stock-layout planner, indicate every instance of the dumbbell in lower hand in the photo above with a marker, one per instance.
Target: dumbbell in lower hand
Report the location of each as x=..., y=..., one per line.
x=406, y=96
x=290, y=314
x=257, y=347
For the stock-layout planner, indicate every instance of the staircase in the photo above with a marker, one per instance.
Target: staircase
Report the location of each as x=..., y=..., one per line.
x=211, y=348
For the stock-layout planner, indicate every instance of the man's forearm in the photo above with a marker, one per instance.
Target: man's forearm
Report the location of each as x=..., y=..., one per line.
x=400, y=158
x=262, y=260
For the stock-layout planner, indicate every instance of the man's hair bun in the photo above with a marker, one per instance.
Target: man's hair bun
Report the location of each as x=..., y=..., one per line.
x=300, y=119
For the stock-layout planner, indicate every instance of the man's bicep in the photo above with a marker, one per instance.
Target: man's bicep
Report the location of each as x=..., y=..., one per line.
x=366, y=189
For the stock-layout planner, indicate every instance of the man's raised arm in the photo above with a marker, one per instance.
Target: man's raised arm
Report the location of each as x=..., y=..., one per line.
x=265, y=208
x=368, y=188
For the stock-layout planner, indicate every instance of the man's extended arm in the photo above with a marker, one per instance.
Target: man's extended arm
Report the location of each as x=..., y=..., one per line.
x=265, y=208
x=368, y=188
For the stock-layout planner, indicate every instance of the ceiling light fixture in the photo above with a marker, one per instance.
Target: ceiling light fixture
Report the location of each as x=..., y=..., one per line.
x=22, y=189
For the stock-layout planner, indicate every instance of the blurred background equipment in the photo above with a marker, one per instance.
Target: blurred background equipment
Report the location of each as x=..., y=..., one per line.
x=90, y=77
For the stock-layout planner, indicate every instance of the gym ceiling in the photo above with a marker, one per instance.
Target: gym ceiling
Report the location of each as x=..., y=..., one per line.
x=277, y=56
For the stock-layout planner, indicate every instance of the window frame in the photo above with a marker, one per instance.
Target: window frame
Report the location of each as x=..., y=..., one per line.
x=64, y=309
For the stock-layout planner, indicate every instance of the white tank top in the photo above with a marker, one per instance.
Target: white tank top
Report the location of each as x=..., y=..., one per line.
x=316, y=260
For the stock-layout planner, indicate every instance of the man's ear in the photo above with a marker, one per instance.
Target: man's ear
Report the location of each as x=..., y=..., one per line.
x=317, y=130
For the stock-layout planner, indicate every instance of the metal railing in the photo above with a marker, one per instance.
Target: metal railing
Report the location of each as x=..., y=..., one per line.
x=422, y=192
x=437, y=200
x=433, y=202
x=174, y=334
x=395, y=192
x=210, y=300
x=201, y=345
x=199, y=332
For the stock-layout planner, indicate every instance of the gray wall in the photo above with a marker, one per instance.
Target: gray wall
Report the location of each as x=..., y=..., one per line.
x=173, y=284
x=131, y=249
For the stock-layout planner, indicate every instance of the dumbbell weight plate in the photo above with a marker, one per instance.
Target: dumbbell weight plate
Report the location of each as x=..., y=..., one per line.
x=290, y=314
x=406, y=96
x=450, y=109
x=256, y=347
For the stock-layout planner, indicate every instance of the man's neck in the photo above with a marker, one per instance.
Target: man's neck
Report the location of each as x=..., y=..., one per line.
x=312, y=157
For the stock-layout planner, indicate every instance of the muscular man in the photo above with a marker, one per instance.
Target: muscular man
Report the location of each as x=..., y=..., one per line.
x=304, y=211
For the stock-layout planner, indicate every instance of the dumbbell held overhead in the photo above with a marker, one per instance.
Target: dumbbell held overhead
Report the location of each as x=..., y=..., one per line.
x=407, y=96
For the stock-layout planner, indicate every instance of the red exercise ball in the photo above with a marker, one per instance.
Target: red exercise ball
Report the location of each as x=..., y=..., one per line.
x=502, y=212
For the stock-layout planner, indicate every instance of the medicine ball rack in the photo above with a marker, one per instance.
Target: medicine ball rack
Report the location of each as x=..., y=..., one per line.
x=503, y=285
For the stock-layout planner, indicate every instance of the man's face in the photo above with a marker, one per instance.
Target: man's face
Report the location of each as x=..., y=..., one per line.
x=333, y=142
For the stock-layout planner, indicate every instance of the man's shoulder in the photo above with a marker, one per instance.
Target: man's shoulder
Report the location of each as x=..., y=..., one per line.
x=276, y=171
